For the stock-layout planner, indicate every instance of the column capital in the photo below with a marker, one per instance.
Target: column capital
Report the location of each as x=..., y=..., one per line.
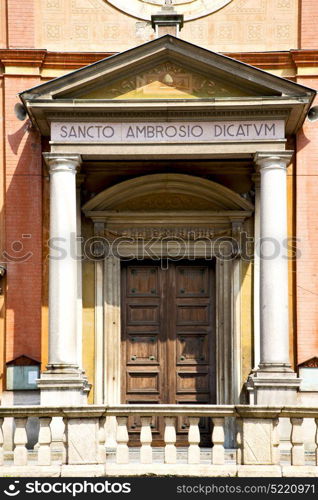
x=65, y=162
x=272, y=159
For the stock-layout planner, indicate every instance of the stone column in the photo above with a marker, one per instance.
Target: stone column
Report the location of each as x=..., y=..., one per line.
x=63, y=382
x=256, y=283
x=79, y=319
x=274, y=382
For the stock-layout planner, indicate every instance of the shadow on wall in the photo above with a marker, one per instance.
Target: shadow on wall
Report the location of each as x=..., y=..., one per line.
x=22, y=241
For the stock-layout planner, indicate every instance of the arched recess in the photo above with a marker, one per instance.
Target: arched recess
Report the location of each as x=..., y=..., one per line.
x=167, y=192
x=167, y=202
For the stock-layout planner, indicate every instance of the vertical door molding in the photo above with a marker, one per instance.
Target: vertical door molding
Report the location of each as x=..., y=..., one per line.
x=112, y=325
x=112, y=348
x=99, y=375
x=228, y=330
x=99, y=333
x=236, y=331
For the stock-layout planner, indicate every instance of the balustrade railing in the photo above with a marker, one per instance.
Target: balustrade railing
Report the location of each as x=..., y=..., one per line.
x=83, y=445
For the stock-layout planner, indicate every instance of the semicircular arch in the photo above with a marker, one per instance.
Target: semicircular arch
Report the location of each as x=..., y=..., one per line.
x=163, y=192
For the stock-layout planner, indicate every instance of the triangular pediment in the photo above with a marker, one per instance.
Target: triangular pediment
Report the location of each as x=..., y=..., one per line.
x=167, y=80
x=170, y=61
x=168, y=69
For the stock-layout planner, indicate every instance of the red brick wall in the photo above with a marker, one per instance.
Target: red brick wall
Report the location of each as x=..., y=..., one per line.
x=309, y=23
x=307, y=232
x=21, y=23
x=23, y=216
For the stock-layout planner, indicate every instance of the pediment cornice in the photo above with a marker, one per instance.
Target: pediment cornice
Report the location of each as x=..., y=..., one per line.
x=260, y=92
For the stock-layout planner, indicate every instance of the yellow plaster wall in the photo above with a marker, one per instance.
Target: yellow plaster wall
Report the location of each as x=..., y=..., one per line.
x=2, y=233
x=247, y=319
x=88, y=277
x=291, y=199
x=94, y=25
x=247, y=310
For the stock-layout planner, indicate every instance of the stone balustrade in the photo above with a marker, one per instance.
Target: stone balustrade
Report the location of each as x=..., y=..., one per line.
x=82, y=447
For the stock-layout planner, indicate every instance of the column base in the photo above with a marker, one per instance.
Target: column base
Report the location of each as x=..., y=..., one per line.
x=63, y=385
x=273, y=385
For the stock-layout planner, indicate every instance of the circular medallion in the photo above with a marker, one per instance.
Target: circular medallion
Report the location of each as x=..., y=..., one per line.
x=191, y=9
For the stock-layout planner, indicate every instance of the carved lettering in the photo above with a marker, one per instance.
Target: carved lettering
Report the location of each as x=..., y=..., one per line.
x=167, y=131
x=270, y=129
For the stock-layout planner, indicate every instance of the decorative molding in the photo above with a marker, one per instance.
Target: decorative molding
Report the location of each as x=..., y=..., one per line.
x=148, y=233
x=99, y=375
x=45, y=59
x=110, y=357
x=63, y=112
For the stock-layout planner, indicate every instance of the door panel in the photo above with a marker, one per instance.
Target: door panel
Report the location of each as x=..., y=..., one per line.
x=168, y=351
x=192, y=314
x=192, y=281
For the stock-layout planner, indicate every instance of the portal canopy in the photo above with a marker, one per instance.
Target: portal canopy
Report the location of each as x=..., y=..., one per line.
x=164, y=80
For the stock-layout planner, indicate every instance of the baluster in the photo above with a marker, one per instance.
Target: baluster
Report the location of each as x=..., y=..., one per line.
x=316, y=440
x=102, y=441
x=58, y=428
x=194, y=440
x=1, y=442
x=122, y=455
x=45, y=438
x=276, y=442
x=297, y=451
x=170, y=439
x=239, y=441
x=146, y=440
x=218, y=441
x=20, y=454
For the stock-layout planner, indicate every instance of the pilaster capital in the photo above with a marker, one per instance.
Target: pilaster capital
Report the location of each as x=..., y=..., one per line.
x=272, y=160
x=58, y=162
x=256, y=178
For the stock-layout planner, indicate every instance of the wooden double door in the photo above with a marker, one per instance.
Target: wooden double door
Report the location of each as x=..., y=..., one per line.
x=168, y=339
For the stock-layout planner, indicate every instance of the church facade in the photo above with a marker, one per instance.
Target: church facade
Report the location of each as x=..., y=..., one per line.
x=158, y=224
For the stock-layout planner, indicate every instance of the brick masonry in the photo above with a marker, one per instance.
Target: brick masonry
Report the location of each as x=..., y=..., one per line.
x=23, y=223
x=307, y=234
x=21, y=23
